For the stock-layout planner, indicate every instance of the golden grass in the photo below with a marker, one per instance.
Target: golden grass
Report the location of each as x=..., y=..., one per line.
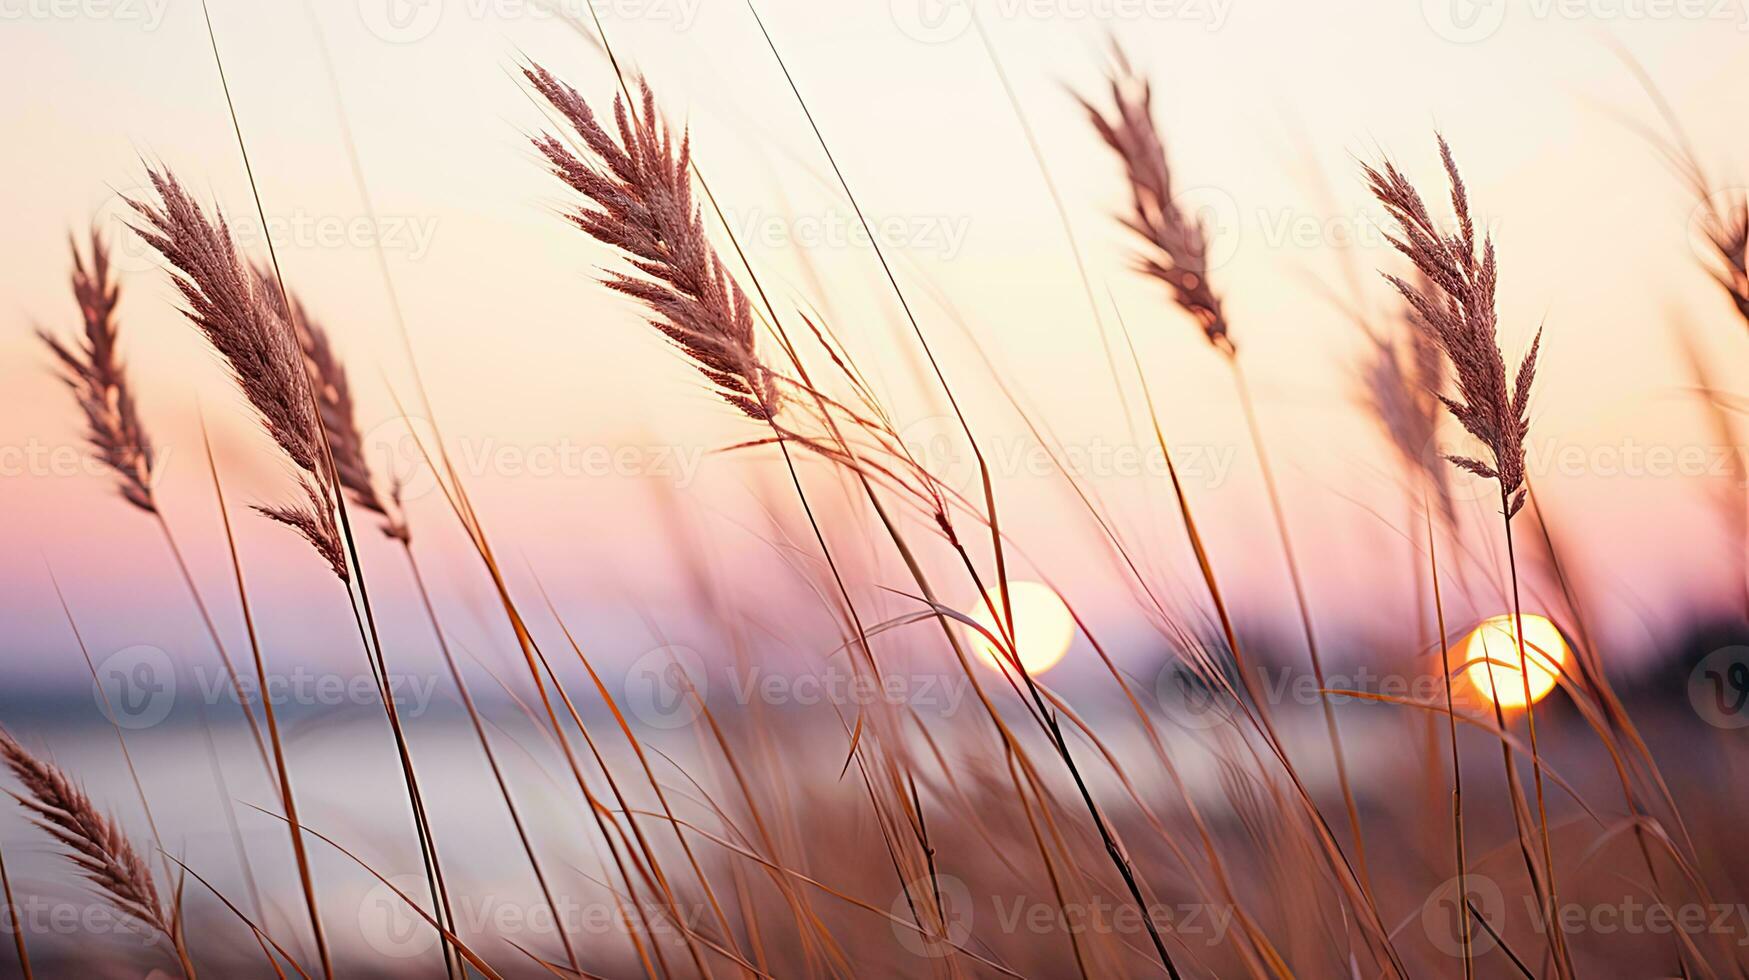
x=750, y=859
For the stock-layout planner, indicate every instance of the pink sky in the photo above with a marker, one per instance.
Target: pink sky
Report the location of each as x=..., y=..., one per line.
x=566, y=412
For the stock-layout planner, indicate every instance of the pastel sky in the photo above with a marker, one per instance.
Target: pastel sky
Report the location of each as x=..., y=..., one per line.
x=592, y=450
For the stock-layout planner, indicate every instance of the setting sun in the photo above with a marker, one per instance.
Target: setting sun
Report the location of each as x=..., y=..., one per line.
x=362, y=357
x=1495, y=640
x=1042, y=624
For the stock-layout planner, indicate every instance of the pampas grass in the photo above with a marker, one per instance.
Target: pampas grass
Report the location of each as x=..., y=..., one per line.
x=94, y=842
x=92, y=368
x=100, y=849
x=239, y=313
x=1456, y=311
x=1401, y=382
x=1223, y=816
x=1176, y=253
x=244, y=322
x=1721, y=214
x=94, y=371
x=642, y=191
x=339, y=414
x=339, y=419
x=1177, y=243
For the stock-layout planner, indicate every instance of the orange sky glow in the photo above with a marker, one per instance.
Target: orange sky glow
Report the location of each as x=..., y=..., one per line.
x=596, y=458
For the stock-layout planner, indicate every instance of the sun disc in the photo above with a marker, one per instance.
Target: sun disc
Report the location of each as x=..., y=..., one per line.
x=1043, y=627
x=1490, y=654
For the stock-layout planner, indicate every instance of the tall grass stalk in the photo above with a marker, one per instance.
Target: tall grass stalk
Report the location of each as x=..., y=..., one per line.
x=1457, y=774
x=1457, y=311
x=13, y=918
x=325, y=504
x=1175, y=251
x=1006, y=616
x=306, y=882
x=96, y=845
x=92, y=368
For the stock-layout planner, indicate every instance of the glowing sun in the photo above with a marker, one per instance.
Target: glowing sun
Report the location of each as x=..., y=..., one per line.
x=1043, y=627
x=1493, y=649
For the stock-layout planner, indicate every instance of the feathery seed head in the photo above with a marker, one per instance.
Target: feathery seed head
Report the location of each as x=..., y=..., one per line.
x=339, y=414
x=92, y=368
x=1455, y=309
x=59, y=806
x=245, y=319
x=640, y=203
x=1176, y=243
x=1401, y=381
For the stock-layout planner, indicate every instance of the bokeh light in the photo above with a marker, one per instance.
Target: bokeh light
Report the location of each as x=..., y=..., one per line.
x=1495, y=640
